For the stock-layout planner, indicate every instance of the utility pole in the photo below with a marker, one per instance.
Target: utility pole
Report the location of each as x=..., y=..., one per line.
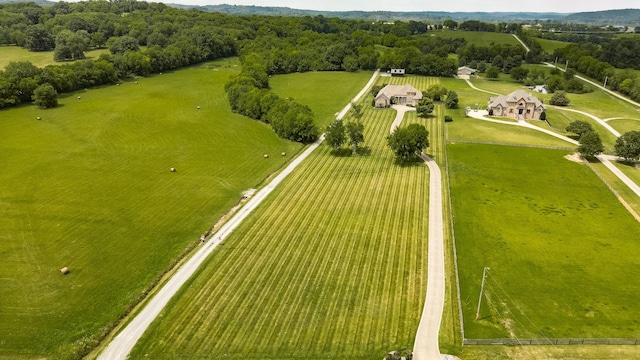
x=484, y=277
x=605, y=81
x=566, y=67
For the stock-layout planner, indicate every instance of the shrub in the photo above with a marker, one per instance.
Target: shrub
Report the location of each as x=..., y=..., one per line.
x=543, y=116
x=448, y=118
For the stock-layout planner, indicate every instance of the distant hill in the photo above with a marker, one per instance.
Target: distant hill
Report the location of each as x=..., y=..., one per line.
x=608, y=17
x=375, y=15
x=42, y=3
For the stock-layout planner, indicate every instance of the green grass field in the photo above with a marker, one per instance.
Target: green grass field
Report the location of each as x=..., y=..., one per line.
x=37, y=58
x=326, y=93
x=625, y=125
x=549, y=46
x=331, y=266
x=479, y=38
x=559, y=244
x=89, y=187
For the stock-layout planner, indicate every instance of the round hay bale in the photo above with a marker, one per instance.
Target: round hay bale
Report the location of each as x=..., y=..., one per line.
x=38, y=118
x=136, y=82
x=118, y=84
x=198, y=107
x=79, y=98
x=172, y=169
x=284, y=153
x=64, y=270
x=266, y=156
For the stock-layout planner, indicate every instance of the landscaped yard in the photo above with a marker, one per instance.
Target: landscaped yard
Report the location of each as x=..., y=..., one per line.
x=331, y=266
x=559, y=244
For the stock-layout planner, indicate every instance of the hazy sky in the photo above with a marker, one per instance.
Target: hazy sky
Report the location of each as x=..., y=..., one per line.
x=564, y=6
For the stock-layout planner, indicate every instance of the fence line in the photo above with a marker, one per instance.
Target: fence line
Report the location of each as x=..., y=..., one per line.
x=553, y=341
x=453, y=141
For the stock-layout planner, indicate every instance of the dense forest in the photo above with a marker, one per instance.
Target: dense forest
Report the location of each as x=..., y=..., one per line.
x=145, y=38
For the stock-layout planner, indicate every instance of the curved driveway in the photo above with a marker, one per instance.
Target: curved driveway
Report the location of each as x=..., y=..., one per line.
x=122, y=344
x=426, y=343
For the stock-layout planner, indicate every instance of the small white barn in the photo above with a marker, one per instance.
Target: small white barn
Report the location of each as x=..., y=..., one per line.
x=397, y=72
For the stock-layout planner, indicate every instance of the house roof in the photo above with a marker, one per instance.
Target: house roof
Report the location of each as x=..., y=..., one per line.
x=390, y=91
x=467, y=68
x=515, y=97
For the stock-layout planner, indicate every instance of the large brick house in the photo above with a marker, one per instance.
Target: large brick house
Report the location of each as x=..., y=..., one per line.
x=398, y=94
x=518, y=105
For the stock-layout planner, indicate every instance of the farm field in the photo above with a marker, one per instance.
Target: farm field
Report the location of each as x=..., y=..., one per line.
x=331, y=266
x=479, y=38
x=89, y=187
x=525, y=296
x=37, y=58
x=317, y=89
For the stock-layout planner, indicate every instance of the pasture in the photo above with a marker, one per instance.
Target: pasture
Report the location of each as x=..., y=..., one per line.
x=37, y=58
x=331, y=266
x=89, y=187
x=319, y=89
x=558, y=242
x=478, y=38
x=549, y=46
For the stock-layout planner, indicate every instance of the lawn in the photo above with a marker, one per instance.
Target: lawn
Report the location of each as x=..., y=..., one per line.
x=326, y=93
x=37, y=58
x=549, y=46
x=560, y=246
x=478, y=38
x=625, y=125
x=332, y=265
x=89, y=187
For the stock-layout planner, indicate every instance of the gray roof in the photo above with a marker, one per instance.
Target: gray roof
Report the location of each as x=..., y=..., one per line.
x=390, y=91
x=514, y=97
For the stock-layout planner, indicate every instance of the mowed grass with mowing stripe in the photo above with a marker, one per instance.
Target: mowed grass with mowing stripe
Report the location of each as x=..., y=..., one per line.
x=333, y=265
x=89, y=187
x=561, y=248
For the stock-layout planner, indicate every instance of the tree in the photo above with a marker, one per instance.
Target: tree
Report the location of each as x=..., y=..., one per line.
x=574, y=86
x=559, y=98
x=38, y=38
x=45, y=96
x=335, y=134
x=579, y=127
x=70, y=46
x=435, y=92
x=425, y=107
x=451, y=101
x=519, y=73
x=355, y=132
x=408, y=142
x=628, y=146
x=356, y=111
x=590, y=144
x=450, y=24
x=122, y=44
x=493, y=72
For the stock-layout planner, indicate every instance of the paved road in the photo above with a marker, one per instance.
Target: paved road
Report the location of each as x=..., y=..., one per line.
x=521, y=42
x=122, y=344
x=476, y=88
x=426, y=344
x=605, y=159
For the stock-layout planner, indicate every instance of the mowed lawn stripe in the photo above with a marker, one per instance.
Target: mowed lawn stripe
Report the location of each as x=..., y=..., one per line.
x=335, y=250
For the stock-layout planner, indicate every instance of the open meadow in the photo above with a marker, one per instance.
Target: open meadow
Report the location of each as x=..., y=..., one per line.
x=478, y=38
x=89, y=187
x=559, y=244
x=37, y=58
x=332, y=265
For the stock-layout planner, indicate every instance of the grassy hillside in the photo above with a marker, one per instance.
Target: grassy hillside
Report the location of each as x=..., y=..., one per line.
x=479, y=38
x=89, y=187
x=37, y=58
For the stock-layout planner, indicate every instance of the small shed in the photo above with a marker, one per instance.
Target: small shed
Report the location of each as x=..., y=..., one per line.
x=466, y=71
x=397, y=72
